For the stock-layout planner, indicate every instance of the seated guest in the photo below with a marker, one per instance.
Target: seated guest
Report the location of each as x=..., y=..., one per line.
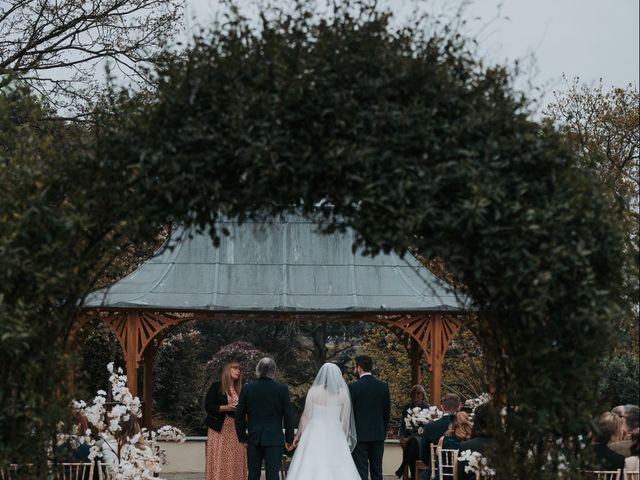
x=632, y=463
x=119, y=447
x=485, y=423
x=434, y=430
x=621, y=443
x=409, y=437
x=459, y=431
x=608, y=425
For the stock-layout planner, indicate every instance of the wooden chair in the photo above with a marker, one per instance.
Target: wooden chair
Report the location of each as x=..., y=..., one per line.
x=433, y=448
x=103, y=473
x=631, y=475
x=602, y=474
x=72, y=471
x=284, y=466
x=420, y=467
x=11, y=471
x=447, y=463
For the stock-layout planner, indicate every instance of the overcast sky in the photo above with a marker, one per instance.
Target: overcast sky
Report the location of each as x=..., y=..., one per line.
x=591, y=39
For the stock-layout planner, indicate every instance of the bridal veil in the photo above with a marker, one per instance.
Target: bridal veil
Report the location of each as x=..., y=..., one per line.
x=330, y=390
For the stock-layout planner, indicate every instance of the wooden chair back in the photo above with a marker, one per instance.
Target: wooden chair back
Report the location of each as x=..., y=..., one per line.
x=103, y=472
x=602, y=474
x=14, y=470
x=72, y=471
x=447, y=463
x=433, y=448
x=632, y=475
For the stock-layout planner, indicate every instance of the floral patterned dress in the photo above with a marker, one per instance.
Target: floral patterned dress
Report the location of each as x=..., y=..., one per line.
x=226, y=456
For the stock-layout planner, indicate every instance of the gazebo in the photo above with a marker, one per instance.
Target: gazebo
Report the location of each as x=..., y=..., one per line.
x=278, y=269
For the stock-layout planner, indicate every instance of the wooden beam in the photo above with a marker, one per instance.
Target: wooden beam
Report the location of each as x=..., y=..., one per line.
x=414, y=355
x=147, y=392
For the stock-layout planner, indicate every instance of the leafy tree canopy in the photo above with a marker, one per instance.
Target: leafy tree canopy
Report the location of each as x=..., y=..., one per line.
x=399, y=133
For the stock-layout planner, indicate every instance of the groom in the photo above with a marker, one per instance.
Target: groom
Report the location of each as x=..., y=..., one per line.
x=371, y=406
x=263, y=407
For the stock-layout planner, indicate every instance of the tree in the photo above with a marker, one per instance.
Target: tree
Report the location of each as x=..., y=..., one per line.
x=55, y=47
x=602, y=128
x=401, y=134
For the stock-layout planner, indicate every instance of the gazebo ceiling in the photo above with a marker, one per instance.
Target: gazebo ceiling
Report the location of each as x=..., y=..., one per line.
x=279, y=265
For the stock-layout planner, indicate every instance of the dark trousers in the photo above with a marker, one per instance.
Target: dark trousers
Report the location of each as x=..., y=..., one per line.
x=410, y=453
x=369, y=454
x=271, y=455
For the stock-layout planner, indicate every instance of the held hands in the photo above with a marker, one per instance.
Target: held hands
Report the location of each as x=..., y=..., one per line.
x=293, y=445
x=227, y=408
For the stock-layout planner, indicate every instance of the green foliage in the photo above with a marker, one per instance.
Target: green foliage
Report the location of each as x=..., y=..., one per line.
x=179, y=379
x=602, y=128
x=398, y=133
x=620, y=383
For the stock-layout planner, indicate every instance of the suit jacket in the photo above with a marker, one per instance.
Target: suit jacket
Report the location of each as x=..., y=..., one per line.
x=263, y=407
x=607, y=459
x=431, y=434
x=371, y=408
x=212, y=403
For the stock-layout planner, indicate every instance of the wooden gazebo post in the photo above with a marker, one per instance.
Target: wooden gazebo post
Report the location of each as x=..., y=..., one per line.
x=414, y=355
x=147, y=393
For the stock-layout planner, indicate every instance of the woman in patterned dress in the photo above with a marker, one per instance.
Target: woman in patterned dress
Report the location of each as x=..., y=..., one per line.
x=226, y=456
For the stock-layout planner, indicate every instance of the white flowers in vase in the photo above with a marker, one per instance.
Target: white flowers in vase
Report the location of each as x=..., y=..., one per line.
x=416, y=418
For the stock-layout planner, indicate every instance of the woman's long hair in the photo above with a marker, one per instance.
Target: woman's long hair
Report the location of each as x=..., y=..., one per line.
x=128, y=429
x=460, y=427
x=226, y=382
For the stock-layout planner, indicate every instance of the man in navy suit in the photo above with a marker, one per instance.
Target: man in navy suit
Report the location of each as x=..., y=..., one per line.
x=263, y=407
x=434, y=430
x=371, y=408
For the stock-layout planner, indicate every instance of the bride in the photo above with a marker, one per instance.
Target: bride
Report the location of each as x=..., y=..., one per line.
x=326, y=433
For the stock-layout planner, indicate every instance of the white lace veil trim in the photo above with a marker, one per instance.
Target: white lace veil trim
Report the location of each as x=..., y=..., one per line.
x=329, y=389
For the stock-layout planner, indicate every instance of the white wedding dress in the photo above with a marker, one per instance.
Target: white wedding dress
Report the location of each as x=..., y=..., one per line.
x=327, y=431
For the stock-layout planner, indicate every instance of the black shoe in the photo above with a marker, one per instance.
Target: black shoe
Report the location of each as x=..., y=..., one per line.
x=399, y=472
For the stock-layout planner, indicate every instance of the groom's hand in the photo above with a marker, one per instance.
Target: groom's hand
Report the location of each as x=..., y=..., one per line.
x=289, y=446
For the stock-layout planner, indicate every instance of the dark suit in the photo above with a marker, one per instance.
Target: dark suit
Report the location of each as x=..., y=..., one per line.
x=371, y=409
x=431, y=434
x=607, y=459
x=263, y=407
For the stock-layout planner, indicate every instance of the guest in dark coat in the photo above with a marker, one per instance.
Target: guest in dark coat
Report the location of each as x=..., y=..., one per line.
x=371, y=404
x=434, y=430
x=263, y=408
x=485, y=423
x=409, y=436
x=606, y=459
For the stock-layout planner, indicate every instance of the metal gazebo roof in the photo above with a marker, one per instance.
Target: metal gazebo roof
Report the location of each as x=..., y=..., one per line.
x=280, y=265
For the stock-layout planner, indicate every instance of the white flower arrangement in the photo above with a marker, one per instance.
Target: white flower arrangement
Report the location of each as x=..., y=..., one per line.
x=133, y=460
x=169, y=434
x=476, y=463
x=474, y=403
x=416, y=418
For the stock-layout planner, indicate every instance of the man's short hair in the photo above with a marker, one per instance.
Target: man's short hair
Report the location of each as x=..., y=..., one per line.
x=365, y=362
x=631, y=414
x=266, y=368
x=451, y=402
